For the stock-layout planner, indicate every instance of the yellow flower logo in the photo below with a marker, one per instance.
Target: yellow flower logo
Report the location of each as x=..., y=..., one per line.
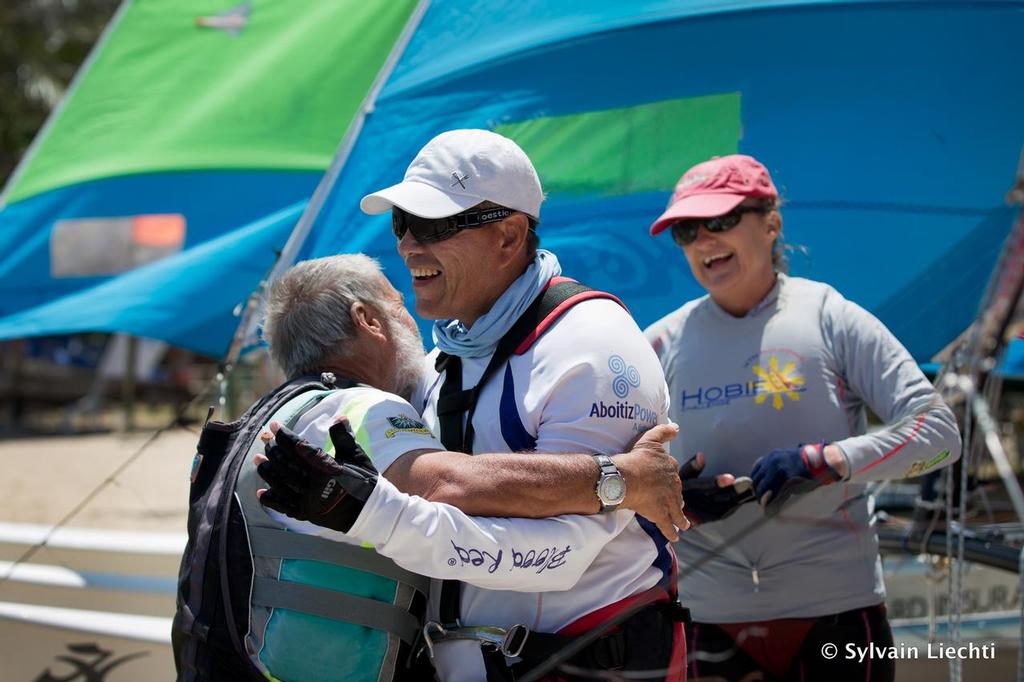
x=777, y=383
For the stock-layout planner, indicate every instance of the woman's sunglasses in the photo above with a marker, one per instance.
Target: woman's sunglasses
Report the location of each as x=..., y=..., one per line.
x=438, y=229
x=685, y=231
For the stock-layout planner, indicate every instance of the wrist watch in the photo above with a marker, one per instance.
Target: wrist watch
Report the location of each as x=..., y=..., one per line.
x=611, y=486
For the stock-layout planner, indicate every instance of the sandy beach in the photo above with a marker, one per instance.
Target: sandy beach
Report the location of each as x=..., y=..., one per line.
x=44, y=478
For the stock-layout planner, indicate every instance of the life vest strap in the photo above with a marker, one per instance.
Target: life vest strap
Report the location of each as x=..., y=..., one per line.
x=337, y=606
x=282, y=544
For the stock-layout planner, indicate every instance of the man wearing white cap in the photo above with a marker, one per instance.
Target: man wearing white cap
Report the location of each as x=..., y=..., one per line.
x=528, y=362
x=771, y=377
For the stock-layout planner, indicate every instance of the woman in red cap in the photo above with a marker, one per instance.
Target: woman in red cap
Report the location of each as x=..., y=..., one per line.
x=770, y=376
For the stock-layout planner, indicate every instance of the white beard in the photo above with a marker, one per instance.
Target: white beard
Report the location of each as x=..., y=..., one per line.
x=409, y=355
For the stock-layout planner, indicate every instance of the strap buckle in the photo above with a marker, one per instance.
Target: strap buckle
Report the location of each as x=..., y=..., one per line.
x=428, y=640
x=515, y=640
x=509, y=642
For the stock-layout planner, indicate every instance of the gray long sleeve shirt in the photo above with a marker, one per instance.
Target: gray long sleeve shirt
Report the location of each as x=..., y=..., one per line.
x=802, y=367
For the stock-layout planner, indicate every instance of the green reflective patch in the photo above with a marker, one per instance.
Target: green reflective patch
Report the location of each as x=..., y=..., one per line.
x=209, y=84
x=643, y=148
x=355, y=410
x=921, y=466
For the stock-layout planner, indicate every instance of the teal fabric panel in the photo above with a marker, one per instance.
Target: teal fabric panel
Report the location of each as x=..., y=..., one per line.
x=300, y=647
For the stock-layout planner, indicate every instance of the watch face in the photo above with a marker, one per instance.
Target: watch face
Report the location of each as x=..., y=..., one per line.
x=613, y=489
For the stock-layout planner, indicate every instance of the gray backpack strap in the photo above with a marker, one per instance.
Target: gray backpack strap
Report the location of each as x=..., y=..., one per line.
x=336, y=606
x=271, y=544
x=283, y=544
x=313, y=401
x=203, y=576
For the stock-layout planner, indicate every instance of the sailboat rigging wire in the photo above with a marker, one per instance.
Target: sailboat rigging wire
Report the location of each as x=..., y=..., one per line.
x=1020, y=640
x=990, y=433
x=958, y=606
x=971, y=365
x=950, y=564
x=222, y=387
x=934, y=522
x=970, y=380
x=102, y=485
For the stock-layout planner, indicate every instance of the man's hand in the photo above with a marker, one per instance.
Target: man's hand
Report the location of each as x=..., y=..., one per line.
x=308, y=484
x=794, y=471
x=653, y=488
x=712, y=499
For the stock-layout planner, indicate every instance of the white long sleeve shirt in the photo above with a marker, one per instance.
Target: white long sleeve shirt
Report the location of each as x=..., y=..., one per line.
x=436, y=539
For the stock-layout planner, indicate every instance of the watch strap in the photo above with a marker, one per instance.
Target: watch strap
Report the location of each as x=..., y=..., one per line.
x=606, y=469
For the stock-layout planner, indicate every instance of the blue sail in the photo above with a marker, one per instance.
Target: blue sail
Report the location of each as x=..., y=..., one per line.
x=892, y=128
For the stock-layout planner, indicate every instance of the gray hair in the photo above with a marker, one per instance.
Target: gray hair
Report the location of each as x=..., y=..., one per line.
x=308, y=322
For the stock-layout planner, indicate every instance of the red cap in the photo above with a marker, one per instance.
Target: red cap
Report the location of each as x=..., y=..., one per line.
x=715, y=187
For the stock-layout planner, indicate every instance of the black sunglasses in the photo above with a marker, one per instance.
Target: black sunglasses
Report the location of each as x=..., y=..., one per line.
x=439, y=229
x=685, y=231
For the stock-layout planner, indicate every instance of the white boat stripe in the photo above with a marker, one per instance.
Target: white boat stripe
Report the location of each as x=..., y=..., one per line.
x=60, y=576
x=94, y=539
x=126, y=626
x=42, y=575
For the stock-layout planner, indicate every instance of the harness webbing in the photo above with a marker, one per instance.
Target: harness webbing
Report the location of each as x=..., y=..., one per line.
x=317, y=601
x=282, y=544
x=204, y=576
x=456, y=406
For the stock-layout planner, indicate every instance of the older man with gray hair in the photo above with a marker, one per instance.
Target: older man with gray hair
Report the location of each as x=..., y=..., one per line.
x=307, y=331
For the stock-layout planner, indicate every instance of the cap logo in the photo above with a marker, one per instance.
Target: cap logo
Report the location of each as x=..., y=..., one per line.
x=693, y=180
x=456, y=180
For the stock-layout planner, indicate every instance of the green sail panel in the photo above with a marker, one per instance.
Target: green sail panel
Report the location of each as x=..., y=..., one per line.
x=628, y=150
x=201, y=84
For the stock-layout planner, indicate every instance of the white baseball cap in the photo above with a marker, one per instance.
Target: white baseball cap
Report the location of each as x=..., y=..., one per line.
x=458, y=170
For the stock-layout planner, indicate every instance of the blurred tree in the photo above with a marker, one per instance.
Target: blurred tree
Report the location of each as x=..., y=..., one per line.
x=42, y=44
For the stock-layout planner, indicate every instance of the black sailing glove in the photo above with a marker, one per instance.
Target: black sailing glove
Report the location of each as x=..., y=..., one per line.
x=705, y=501
x=783, y=473
x=308, y=484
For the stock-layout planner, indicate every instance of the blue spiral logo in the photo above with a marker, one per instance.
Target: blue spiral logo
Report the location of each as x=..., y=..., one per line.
x=625, y=376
